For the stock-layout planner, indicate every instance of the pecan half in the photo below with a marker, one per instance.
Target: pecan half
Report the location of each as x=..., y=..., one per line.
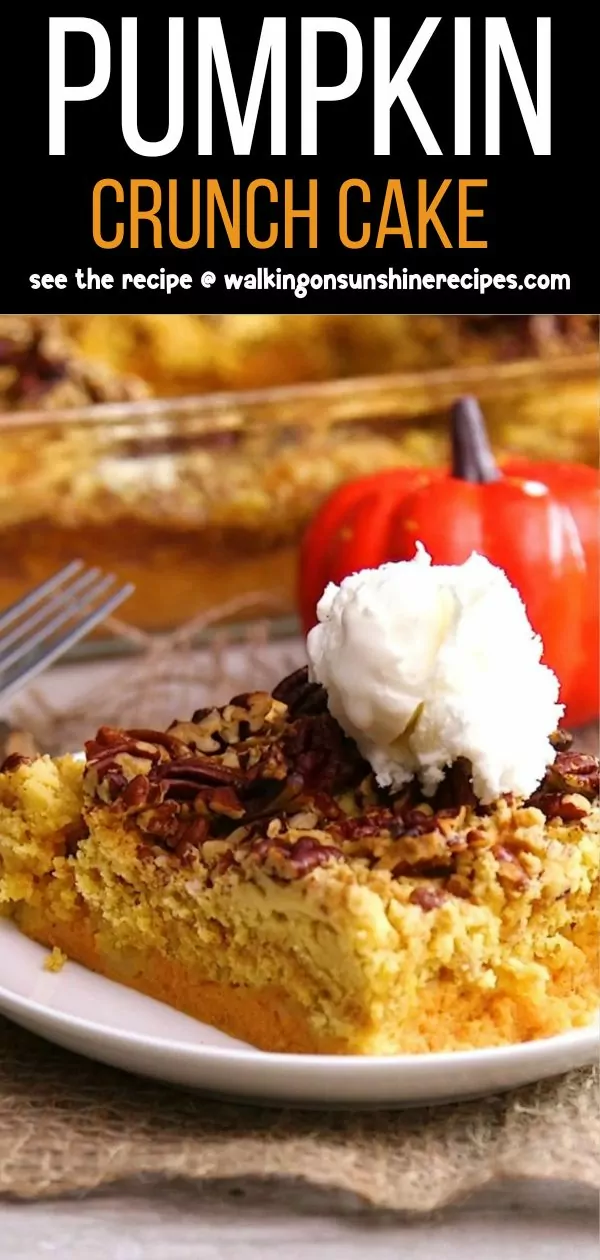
x=302, y=697
x=136, y=793
x=573, y=772
x=322, y=756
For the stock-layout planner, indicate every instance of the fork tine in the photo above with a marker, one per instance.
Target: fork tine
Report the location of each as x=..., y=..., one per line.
x=33, y=597
x=61, y=599
x=67, y=612
x=49, y=653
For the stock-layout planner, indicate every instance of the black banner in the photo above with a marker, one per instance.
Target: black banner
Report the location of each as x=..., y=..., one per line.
x=209, y=167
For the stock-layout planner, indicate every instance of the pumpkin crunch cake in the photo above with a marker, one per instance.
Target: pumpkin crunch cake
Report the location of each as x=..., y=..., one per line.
x=245, y=868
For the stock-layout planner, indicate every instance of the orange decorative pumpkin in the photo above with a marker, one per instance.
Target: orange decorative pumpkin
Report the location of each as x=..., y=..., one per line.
x=537, y=521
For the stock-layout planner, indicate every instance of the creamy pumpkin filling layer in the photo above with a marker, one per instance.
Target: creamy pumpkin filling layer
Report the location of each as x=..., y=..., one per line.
x=246, y=868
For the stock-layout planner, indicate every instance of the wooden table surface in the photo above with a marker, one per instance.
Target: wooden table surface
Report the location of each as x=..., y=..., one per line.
x=510, y=1222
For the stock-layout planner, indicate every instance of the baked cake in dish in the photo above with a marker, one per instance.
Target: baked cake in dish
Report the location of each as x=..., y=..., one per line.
x=245, y=868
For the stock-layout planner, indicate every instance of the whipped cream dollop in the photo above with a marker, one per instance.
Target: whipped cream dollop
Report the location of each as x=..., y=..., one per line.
x=426, y=663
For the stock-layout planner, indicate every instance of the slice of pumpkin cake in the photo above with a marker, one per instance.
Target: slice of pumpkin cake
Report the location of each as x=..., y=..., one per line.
x=247, y=868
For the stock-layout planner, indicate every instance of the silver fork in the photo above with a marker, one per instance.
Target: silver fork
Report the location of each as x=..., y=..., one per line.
x=50, y=619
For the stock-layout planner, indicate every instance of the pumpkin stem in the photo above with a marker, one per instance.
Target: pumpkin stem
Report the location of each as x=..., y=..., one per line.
x=472, y=458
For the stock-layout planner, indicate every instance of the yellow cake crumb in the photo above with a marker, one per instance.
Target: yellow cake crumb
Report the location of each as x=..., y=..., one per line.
x=55, y=960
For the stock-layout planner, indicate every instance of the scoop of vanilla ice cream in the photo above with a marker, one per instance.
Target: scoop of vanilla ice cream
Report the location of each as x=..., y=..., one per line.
x=425, y=663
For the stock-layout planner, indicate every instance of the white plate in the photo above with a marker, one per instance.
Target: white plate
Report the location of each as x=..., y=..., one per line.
x=106, y=1021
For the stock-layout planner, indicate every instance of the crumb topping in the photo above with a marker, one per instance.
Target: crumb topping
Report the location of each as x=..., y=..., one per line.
x=272, y=781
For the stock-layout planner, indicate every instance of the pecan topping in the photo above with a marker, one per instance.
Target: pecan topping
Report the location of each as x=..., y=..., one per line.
x=322, y=755
x=201, y=735
x=561, y=740
x=136, y=792
x=456, y=787
x=221, y=800
x=273, y=781
x=291, y=860
x=163, y=821
x=13, y=762
x=73, y=834
x=301, y=697
x=510, y=871
x=573, y=772
x=570, y=807
x=423, y=853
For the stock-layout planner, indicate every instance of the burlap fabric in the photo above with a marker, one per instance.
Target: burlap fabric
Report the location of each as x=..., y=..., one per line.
x=69, y=1125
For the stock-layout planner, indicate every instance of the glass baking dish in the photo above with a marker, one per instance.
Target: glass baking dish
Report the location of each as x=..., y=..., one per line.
x=201, y=500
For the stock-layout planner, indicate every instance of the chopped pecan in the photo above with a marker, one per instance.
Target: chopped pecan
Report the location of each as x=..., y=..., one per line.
x=458, y=886
x=225, y=862
x=199, y=714
x=407, y=799
x=477, y=839
x=182, y=836
x=421, y=854
x=106, y=737
x=195, y=771
x=561, y=740
x=326, y=806
x=201, y=735
x=13, y=761
x=249, y=714
x=267, y=797
x=419, y=821
x=374, y=822
x=301, y=697
x=221, y=800
x=113, y=784
x=73, y=834
x=305, y=854
x=304, y=821
x=162, y=739
x=510, y=870
x=292, y=860
x=456, y=787
x=569, y=806
x=161, y=822
x=428, y=898
x=257, y=704
x=136, y=792
x=195, y=832
x=322, y=755
x=573, y=772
